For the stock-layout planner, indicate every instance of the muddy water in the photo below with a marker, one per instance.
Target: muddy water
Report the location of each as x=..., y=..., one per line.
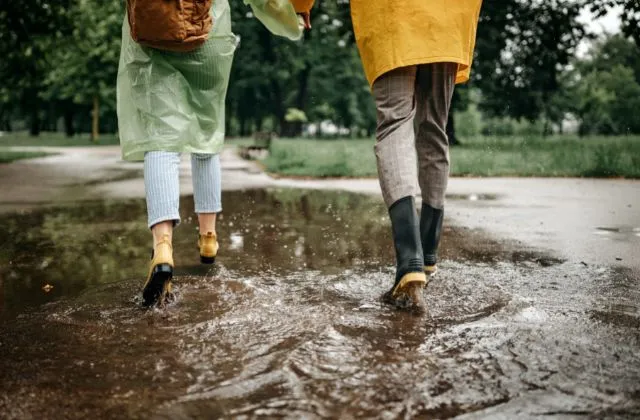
x=288, y=324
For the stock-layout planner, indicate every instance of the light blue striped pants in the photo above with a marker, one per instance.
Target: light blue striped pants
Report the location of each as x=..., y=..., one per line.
x=162, y=185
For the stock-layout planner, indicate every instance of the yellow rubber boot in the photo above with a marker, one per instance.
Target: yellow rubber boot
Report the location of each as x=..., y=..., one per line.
x=410, y=279
x=208, y=244
x=430, y=270
x=430, y=232
x=158, y=283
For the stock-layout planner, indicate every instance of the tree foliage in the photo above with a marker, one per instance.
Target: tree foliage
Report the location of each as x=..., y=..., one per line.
x=87, y=58
x=28, y=30
x=522, y=49
x=606, y=87
x=321, y=75
x=630, y=18
x=59, y=57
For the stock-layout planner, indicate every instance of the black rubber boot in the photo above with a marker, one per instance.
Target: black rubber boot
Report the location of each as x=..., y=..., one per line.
x=409, y=260
x=430, y=231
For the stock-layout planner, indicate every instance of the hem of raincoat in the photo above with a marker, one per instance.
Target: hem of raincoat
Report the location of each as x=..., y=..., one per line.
x=421, y=60
x=138, y=154
x=462, y=76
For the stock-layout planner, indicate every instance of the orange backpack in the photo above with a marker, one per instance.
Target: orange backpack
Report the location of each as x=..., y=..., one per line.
x=173, y=25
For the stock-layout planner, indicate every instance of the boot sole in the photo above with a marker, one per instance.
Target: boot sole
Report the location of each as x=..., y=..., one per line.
x=410, y=299
x=413, y=294
x=207, y=260
x=158, y=286
x=408, y=293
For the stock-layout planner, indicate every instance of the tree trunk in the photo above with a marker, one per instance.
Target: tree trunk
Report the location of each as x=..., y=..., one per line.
x=51, y=117
x=227, y=118
x=95, y=119
x=370, y=130
x=301, y=100
x=3, y=119
x=546, y=128
x=275, y=91
x=280, y=121
x=34, y=129
x=69, y=128
x=243, y=125
x=291, y=129
x=451, y=130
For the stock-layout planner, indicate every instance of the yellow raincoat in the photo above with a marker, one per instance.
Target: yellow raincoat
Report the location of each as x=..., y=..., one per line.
x=400, y=33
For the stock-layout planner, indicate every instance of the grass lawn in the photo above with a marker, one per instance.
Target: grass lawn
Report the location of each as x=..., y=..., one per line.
x=239, y=141
x=557, y=156
x=7, y=156
x=322, y=158
x=55, y=140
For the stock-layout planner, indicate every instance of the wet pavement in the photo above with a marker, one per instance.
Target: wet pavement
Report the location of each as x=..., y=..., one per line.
x=592, y=220
x=288, y=324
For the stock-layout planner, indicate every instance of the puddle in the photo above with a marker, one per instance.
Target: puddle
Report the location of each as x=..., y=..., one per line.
x=472, y=197
x=623, y=233
x=275, y=232
x=288, y=323
x=117, y=175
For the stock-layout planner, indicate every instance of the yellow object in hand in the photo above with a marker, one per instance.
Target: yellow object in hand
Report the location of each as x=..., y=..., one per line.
x=302, y=6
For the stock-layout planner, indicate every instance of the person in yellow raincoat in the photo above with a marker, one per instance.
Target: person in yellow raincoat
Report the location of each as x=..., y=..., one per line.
x=413, y=53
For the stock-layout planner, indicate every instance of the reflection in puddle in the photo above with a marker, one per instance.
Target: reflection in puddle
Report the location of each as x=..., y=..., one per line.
x=617, y=232
x=288, y=322
x=609, y=229
x=472, y=197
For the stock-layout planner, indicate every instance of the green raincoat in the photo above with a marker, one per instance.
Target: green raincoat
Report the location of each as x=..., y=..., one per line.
x=174, y=101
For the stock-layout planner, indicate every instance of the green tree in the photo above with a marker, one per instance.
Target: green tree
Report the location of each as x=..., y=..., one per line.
x=522, y=49
x=84, y=75
x=610, y=51
x=630, y=18
x=28, y=31
x=603, y=88
x=606, y=84
x=320, y=75
x=609, y=102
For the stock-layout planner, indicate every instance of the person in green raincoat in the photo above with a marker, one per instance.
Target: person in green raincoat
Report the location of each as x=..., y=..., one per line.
x=170, y=103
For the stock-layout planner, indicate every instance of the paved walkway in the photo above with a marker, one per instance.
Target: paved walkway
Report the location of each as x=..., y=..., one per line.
x=596, y=221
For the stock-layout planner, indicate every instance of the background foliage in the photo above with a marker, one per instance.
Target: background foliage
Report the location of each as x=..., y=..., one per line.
x=60, y=57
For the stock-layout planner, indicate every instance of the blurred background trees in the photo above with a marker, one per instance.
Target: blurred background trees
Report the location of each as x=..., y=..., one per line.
x=59, y=62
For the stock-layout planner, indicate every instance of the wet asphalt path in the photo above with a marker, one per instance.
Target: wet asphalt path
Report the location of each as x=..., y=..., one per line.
x=289, y=325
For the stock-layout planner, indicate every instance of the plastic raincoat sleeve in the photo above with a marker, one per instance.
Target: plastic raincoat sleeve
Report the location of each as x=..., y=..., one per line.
x=278, y=16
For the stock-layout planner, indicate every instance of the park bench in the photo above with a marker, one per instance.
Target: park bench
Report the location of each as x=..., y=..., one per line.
x=260, y=147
